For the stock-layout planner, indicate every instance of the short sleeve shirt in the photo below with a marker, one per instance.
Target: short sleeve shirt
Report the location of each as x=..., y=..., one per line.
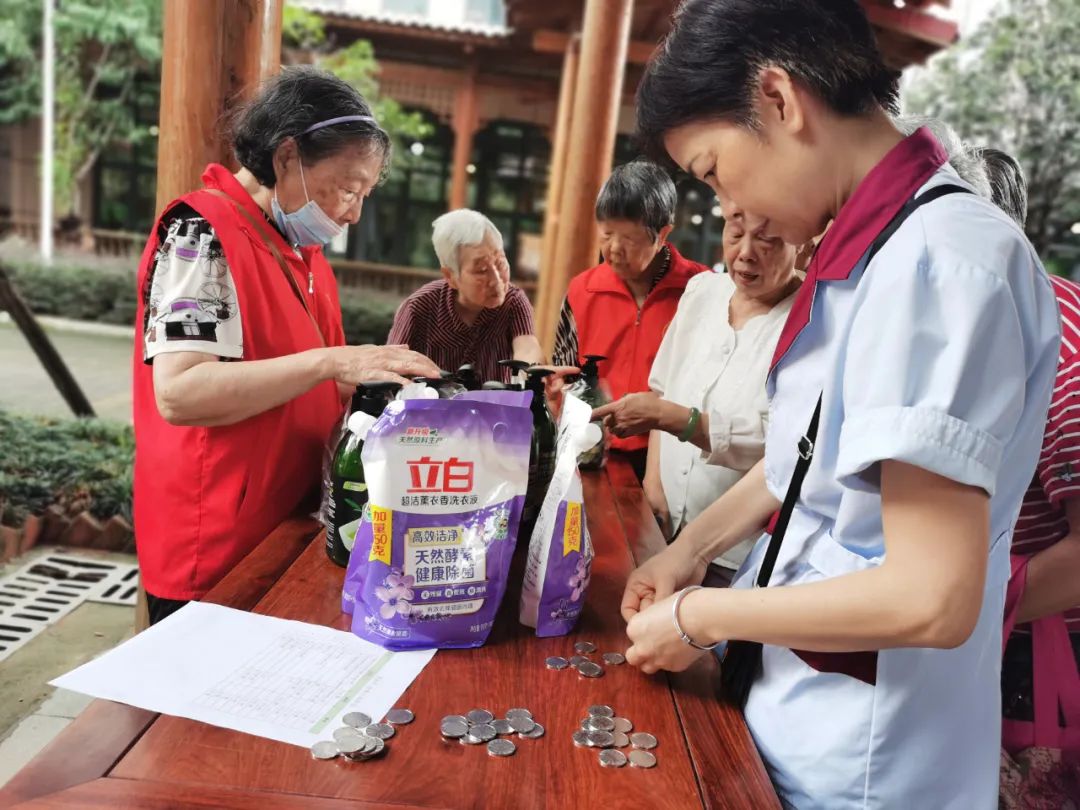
x=1042, y=519
x=428, y=323
x=191, y=301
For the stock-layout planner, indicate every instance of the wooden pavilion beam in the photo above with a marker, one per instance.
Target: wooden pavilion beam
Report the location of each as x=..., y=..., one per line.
x=605, y=38
x=216, y=52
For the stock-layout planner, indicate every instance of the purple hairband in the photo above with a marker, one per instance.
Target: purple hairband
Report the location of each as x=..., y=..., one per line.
x=344, y=119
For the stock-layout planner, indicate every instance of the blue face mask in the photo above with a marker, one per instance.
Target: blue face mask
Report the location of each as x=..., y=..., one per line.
x=309, y=224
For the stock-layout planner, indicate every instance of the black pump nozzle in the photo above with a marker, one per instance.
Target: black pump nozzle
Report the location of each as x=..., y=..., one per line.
x=516, y=367
x=591, y=370
x=372, y=397
x=535, y=380
x=466, y=376
x=493, y=385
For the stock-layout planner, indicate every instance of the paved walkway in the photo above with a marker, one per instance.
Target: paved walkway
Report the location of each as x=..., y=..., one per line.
x=100, y=362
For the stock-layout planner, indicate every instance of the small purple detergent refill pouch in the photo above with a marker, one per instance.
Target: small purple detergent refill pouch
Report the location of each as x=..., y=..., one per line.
x=446, y=480
x=560, y=551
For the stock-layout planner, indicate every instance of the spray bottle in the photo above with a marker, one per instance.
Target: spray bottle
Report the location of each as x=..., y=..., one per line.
x=517, y=369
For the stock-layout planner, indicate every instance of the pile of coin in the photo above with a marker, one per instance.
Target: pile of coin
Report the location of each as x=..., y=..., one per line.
x=602, y=729
x=359, y=739
x=480, y=726
x=585, y=666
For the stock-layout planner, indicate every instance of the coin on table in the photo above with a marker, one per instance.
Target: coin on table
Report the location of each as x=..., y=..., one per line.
x=614, y=658
x=400, y=717
x=325, y=749
x=372, y=749
x=485, y=732
x=356, y=720
x=601, y=723
x=621, y=740
x=581, y=739
x=535, y=733
x=557, y=662
x=601, y=711
x=364, y=752
x=590, y=670
x=601, y=739
x=381, y=731
x=610, y=758
x=346, y=734
x=522, y=725
x=623, y=725
x=642, y=759
x=501, y=748
x=478, y=716
x=460, y=717
x=454, y=728
x=502, y=727
x=470, y=739
x=585, y=647
x=643, y=740
x=577, y=660
x=350, y=747
x=512, y=713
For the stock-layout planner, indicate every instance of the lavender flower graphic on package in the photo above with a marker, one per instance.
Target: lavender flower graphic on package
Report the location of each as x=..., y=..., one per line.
x=395, y=593
x=580, y=579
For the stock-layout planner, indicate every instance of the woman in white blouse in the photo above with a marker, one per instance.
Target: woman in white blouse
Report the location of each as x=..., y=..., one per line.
x=707, y=410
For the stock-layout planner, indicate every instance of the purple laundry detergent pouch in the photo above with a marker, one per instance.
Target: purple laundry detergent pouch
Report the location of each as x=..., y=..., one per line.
x=446, y=482
x=560, y=551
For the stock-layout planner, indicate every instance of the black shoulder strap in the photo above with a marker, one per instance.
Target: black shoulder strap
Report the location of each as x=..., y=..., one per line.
x=806, y=443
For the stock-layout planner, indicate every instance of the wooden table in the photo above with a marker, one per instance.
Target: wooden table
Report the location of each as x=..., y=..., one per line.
x=118, y=756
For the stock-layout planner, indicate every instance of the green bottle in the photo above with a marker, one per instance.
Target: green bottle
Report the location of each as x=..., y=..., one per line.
x=545, y=436
x=588, y=390
x=348, y=489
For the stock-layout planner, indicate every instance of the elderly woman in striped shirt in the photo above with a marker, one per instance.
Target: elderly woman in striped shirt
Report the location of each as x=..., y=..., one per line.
x=473, y=314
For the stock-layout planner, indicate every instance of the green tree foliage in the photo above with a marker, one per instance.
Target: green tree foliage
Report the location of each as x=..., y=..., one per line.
x=102, y=48
x=356, y=64
x=1015, y=85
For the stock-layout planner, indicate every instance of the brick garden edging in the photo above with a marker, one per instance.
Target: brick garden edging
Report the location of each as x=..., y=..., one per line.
x=56, y=528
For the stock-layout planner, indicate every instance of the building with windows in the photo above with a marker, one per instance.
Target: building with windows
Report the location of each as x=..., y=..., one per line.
x=496, y=80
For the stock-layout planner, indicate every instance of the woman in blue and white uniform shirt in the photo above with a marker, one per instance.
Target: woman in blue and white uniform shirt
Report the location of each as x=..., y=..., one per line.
x=934, y=363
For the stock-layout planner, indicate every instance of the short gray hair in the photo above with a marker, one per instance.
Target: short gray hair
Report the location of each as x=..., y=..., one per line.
x=967, y=165
x=640, y=192
x=457, y=229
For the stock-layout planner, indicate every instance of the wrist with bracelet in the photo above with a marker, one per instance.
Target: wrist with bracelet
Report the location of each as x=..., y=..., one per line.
x=691, y=425
x=678, y=627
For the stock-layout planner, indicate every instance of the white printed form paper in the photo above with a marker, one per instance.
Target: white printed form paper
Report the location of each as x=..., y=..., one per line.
x=275, y=678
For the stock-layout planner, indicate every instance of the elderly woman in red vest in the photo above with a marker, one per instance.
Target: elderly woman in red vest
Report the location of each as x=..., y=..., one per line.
x=621, y=308
x=242, y=368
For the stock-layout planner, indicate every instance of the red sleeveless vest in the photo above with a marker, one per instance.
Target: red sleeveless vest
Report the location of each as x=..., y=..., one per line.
x=610, y=324
x=206, y=496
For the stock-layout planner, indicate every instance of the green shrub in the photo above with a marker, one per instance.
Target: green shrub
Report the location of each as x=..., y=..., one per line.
x=74, y=463
x=366, y=319
x=106, y=293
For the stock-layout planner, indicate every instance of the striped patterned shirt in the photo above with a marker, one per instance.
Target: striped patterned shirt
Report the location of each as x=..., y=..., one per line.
x=1042, y=520
x=428, y=323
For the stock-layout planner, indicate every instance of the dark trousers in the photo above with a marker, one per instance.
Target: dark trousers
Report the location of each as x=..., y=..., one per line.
x=159, y=608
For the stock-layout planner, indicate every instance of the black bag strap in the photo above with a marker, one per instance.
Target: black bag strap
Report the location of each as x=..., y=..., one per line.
x=806, y=443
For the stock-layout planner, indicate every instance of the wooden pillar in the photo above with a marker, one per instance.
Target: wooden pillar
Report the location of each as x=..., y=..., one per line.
x=556, y=175
x=215, y=53
x=465, y=122
x=590, y=149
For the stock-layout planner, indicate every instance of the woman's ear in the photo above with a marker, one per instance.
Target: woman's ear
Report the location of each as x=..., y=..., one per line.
x=779, y=102
x=664, y=233
x=803, y=255
x=284, y=156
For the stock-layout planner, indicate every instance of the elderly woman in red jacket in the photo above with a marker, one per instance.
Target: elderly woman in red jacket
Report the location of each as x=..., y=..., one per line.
x=621, y=308
x=242, y=367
